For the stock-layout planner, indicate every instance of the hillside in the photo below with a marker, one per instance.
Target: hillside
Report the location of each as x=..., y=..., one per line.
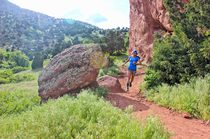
x=32, y=32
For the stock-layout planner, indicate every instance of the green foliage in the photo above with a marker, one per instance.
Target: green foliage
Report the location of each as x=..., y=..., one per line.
x=113, y=67
x=7, y=76
x=16, y=78
x=153, y=129
x=38, y=61
x=86, y=116
x=115, y=41
x=193, y=97
x=17, y=98
x=112, y=71
x=16, y=102
x=186, y=53
x=19, y=58
x=100, y=92
x=19, y=69
x=12, y=59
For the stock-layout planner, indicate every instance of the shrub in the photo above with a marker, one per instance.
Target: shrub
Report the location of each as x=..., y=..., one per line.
x=100, y=92
x=19, y=69
x=19, y=58
x=112, y=71
x=153, y=129
x=37, y=61
x=17, y=98
x=185, y=53
x=5, y=76
x=193, y=97
x=113, y=67
x=84, y=117
x=4, y=81
x=16, y=78
x=16, y=102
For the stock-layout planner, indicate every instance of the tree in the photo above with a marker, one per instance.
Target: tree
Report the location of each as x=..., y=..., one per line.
x=185, y=53
x=37, y=61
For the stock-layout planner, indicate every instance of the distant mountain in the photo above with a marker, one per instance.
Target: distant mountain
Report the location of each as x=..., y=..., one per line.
x=33, y=32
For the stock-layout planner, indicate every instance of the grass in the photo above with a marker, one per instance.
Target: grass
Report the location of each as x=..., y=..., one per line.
x=16, y=98
x=86, y=116
x=114, y=66
x=193, y=97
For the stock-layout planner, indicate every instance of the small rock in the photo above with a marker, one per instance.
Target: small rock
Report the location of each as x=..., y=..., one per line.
x=111, y=83
x=186, y=115
x=208, y=123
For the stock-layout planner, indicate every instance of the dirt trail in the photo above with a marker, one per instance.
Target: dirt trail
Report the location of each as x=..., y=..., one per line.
x=180, y=127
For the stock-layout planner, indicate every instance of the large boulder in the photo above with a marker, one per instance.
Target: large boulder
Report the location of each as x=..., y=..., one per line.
x=112, y=84
x=73, y=69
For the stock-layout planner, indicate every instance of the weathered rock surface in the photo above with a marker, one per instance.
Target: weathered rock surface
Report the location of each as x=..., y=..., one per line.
x=146, y=17
x=73, y=69
x=111, y=83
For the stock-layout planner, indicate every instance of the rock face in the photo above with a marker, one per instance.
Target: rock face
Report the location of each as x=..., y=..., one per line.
x=146, y=17
x=71, y=70
x=111, y=83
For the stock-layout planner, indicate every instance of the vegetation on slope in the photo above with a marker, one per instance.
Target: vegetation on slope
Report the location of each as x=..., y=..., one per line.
x=185, y=53
x=178, y=76
x=193, y=97
x=86, y=116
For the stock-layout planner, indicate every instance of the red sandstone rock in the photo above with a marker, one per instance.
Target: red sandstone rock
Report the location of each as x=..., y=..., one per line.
x=111, y=83
x=186, y=115
x=146, y=17
x=73, y=69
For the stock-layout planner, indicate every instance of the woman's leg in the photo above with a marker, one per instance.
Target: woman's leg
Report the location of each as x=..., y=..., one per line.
x=128, y=80
x=132, y=76
x=129, y=75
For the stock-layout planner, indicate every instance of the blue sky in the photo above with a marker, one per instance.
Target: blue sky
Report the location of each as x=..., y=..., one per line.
x=102, y=13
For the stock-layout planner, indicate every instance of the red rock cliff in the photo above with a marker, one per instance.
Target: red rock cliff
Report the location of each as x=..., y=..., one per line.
x=146, y=17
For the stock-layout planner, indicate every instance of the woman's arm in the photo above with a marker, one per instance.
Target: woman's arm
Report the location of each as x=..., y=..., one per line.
x=140, y=63
x=125, y=62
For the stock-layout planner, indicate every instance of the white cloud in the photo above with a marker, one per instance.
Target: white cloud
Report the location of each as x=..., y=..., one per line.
x=116, y=12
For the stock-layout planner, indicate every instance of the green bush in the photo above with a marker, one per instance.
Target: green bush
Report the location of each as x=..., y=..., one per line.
x=13, y=59
x=16, y=102
x=193, y=97
x=153, y=129
x=113, y=67
x=112, y=71
x=185, y=53
x=4, y=81
x=100, y=92
x=18, y=97
x=7, y=76
x=19, y=58
x=19, y=69
x=16, y=78
x=38, y=61
x=84, y=117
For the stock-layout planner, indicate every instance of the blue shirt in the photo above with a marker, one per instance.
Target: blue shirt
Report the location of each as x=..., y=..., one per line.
x=132, y=66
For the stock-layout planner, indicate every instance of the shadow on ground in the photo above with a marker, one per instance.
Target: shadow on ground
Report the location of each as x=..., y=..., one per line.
x=123, y=102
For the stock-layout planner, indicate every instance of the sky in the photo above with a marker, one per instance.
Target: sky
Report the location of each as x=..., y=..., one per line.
x=102, y=13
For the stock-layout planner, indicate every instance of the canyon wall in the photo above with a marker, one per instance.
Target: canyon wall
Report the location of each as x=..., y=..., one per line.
x=146, y=17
